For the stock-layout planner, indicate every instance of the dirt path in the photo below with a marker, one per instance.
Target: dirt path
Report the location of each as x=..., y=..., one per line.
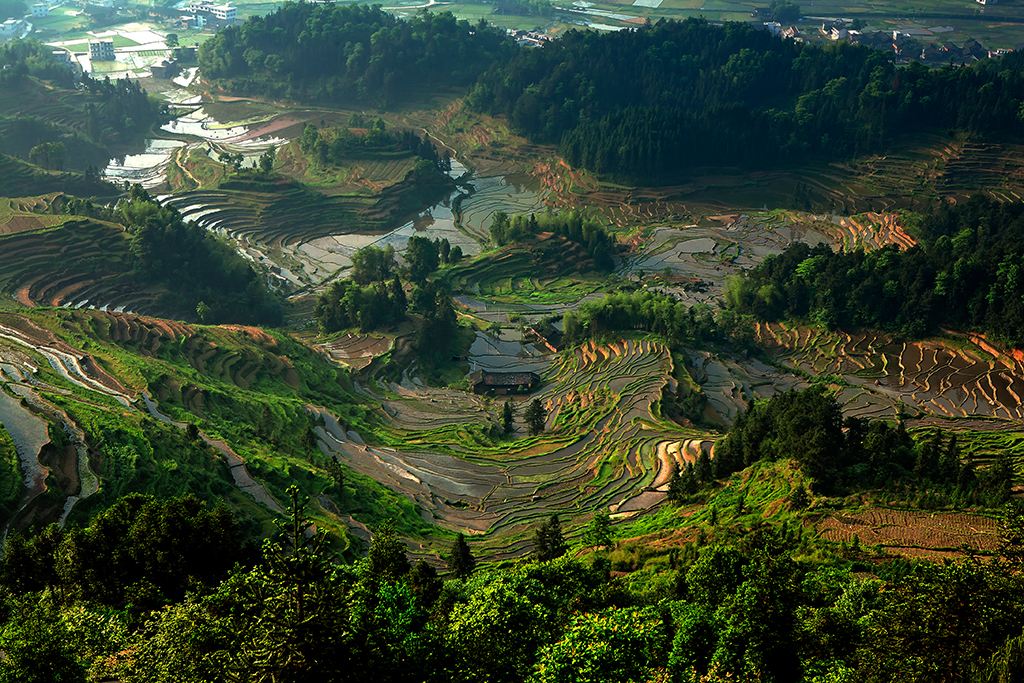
x=236, y=463
x=184, y=169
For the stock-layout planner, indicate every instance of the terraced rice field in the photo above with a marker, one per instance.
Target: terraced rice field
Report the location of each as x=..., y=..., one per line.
x=913, y=534
x=997, y=169
x=551, y=270
x=936, y=380
x=81, y=263
x=20, y=179
x=508, y=350
x=20, y=214
x=199, y=347
x=605, y=446
x=276, y=217
x=693, y=262
x=513, y=194
x=730, y=382
x=55, y=105
x=357, y=351
x=914, y=176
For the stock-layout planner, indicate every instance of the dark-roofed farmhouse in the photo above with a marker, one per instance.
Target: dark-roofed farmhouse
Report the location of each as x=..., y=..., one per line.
x=503, y=382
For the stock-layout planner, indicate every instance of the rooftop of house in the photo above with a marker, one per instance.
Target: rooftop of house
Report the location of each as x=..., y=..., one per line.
x=503, y=379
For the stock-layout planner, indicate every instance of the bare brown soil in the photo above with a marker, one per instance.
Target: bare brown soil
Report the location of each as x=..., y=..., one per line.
x=912, y=533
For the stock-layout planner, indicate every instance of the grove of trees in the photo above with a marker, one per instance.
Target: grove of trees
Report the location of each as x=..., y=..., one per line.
x=588, y=233
x=351, y=53
x=170, y=591
x=366, y=138
x=854, y=454
x=965, y=273
x=194, y=264
x=647, y=311
x=375, y=297
x=89, y=116
x=652, y=104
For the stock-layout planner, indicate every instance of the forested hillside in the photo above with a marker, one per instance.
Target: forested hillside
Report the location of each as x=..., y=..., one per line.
x=159, y=591
x=651, y=104
x=965, y=273
x=350, y=53
x=56, y=120
x=206, y=275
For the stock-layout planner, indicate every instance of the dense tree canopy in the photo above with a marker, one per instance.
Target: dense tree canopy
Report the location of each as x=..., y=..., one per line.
x=644, y=311
x=965, y=273
x=854, y=454
x=336, y=146
x=654, y=102
x=22, y=58
x=198, y=267
x=747, y=606
x=347, y=304
x=350, y=53
x=139, y=551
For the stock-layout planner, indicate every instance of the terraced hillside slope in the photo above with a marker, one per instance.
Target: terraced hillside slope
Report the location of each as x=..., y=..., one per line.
x=58, y=118
x=948, y=378
x=606, y=444
x=551, y=269
x=19, y=178
x=913, y=175
x=81, y=262
x=116, y=394
x=132, y=403
x=309, y=217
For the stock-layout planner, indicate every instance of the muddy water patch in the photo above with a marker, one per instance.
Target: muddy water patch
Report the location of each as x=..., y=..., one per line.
x=29, y=433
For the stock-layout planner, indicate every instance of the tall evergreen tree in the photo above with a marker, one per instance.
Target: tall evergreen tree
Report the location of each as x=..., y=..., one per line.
x=702, y=470
x=599, y=531
x=548, y=542
x=460, y=560
x=507, y=417
x=535, y=416
x=387, y=556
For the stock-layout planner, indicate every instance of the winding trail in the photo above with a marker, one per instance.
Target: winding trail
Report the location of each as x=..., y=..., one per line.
x=236, y=463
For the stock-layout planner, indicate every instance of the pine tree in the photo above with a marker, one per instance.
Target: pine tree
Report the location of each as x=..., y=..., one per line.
x=507, y=417
x=461, y=561
x=675, y=486
x=599, y=531
x=387, y=554
x=536, y=415
x=997, y=479
x=799, y=498
x=424, y=582
x=397, y=298
x=337, y=474
x=549, y=543
x=949, y=461
x=702, y=470
x=683, y=483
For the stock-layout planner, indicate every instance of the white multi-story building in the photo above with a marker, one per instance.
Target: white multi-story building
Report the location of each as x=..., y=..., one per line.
x=101, y=50
x=223, y=13
x=12, y=28
x=226, y=13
